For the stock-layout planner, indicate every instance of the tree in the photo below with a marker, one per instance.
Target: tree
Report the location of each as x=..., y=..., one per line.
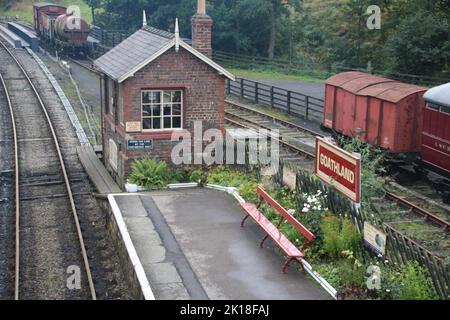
x=94, y=4
x=420, y=45
x=277, y=9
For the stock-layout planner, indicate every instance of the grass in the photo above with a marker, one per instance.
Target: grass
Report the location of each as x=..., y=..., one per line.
x=24, y=9
x=271, y=74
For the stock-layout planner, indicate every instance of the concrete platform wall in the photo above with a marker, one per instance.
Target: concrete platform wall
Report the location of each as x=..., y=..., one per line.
x=139, y=287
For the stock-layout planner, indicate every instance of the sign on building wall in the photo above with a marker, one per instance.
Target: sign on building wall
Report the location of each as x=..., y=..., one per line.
x=139, y=144
x=338, y=168
x=374, y=239
x=133, y=126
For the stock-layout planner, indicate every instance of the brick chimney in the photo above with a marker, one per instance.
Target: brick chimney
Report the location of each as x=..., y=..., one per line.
x=202, y=30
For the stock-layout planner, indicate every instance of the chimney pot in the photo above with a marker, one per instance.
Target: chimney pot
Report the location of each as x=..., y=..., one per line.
x=201, y=6
x=202, y=30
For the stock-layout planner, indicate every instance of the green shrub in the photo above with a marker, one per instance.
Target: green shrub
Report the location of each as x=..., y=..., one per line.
x=151, y=174
x=195, y=175
x=339, y=235
x=247, y=190
x=414, y=283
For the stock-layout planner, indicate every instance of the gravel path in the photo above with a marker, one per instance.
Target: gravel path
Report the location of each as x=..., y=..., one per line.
x=316, y=90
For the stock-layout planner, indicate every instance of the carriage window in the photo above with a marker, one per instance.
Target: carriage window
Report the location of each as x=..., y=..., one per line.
x=162, y=109
x=445, y=110
x=432, y=106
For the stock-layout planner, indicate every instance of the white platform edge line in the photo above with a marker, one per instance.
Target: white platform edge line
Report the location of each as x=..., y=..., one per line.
x=140, y=273
x=81, y=134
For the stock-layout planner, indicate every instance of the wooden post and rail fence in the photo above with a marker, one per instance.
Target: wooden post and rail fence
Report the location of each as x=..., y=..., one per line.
x=295, y=103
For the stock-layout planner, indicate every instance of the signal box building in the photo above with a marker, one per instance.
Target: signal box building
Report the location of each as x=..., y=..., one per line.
x=154, y=84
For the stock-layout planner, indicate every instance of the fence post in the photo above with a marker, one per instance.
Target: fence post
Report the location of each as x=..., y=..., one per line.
x=271, y=97
x=256, y=92
x=242, y=88
x=289, y=102
x=307, y=108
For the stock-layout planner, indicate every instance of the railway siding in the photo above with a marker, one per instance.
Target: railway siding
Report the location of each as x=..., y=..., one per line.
x=411, y=228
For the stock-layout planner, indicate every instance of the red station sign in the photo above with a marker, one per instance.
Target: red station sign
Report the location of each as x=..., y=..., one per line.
x=338, y=168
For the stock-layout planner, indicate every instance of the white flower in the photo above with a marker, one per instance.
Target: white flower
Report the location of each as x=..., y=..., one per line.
x=388, y=290
x=380, y=256
x=305, y=209
x=386, y=261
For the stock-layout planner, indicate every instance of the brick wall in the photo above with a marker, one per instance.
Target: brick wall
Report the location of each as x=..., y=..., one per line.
x=204, y=95
x=202, y=33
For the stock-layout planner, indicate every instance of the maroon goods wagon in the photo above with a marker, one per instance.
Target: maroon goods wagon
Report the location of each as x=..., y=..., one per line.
x=47, y=9
x=436, y=129
x=380, y=111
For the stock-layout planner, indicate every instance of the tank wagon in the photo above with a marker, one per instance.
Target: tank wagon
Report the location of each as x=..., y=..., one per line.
x=409, y=121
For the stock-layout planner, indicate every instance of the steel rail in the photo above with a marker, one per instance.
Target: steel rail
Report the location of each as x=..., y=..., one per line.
x=418, y=210
x=17, y=186
x=64, y=171
x=290, y=146
x=275, y=119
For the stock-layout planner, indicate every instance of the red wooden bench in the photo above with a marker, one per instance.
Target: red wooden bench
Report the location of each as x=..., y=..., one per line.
x=291, y=251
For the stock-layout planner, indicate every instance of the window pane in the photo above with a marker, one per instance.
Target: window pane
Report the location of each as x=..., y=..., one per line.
x=146, y=124
x=445, y=110
x=176, y=122
x=167, y=122
x=176, y=109
x=167, y=97
x=146, y=97
x=176, y=96
x=167, y=109
x=156, y=123
x=156, y=97
x=156, y=111
x=146, y=111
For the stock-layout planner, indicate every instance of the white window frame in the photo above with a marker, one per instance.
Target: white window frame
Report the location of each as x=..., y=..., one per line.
x=161, y=91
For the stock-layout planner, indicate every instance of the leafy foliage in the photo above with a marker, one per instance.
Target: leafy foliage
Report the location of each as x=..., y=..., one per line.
x=372, y=168
x=339, y=235
x=151, y=174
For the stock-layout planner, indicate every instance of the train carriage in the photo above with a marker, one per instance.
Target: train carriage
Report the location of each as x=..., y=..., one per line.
x=42, y=12
x=436, y=129
x=61, y=30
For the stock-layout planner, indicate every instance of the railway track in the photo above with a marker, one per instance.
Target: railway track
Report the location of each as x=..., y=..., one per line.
x=428, y=229
x=48, y=237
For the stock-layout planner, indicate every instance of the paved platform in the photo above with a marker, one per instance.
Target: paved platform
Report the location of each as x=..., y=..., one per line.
x=191, y=246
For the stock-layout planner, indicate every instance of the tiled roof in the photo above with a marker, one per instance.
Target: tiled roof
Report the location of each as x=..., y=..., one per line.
x=141, y=48
x=133, y=51
x=46, y=4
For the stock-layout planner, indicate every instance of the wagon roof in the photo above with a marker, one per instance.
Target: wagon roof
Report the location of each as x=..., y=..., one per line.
x=364, y=84
x=439, y=95
x=46, y=4
x=140, y=49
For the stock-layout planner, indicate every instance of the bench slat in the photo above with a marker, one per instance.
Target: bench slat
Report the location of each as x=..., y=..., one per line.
x=297, y=225
x=283, y=242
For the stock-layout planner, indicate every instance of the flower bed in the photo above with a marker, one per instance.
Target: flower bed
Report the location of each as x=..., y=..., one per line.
x=336, y=254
